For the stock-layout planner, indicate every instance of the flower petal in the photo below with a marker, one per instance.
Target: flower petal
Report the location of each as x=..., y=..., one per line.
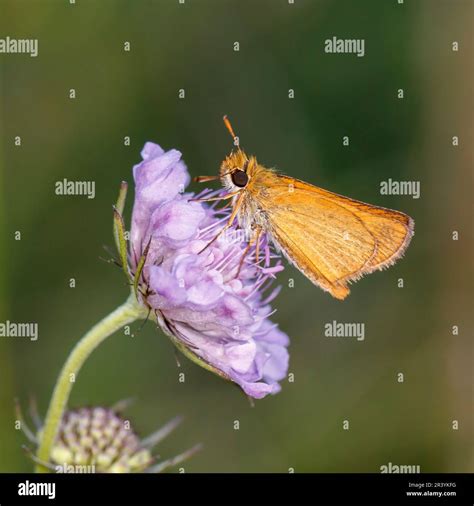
x=167, y=292
x=159, y=178
x=176, y=221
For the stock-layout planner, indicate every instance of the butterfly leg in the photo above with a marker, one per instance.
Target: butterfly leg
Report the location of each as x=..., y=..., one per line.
x=255, y=239
x=229, y=221
x=226, y=206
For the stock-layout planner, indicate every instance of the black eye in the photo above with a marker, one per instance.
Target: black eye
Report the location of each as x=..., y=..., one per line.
x=239, y=178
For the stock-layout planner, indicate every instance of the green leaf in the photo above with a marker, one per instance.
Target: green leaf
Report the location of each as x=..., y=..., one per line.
x=122, y=196
x=119, y=233
x=119, y=206
x=138, y=272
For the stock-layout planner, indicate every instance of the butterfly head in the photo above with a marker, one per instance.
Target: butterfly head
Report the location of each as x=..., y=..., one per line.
x=235, y=173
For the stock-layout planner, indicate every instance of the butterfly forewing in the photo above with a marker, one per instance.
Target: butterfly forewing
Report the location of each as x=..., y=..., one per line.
x=330, y=238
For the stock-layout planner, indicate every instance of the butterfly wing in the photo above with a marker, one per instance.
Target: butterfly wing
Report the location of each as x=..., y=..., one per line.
x=331, y=239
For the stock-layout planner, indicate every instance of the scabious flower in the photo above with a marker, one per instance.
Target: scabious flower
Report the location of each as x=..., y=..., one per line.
x=101, y=440
x=213, y=306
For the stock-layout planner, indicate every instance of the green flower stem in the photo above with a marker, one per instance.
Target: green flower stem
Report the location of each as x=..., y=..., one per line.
x=128, y=312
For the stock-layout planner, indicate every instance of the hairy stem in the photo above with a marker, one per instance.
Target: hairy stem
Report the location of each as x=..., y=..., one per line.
x=124, y=314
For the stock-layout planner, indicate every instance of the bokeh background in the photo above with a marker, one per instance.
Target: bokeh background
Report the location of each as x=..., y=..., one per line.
x=135, y=93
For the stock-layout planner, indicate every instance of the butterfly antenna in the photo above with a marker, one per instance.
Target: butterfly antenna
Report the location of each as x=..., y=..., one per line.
x=231, y=131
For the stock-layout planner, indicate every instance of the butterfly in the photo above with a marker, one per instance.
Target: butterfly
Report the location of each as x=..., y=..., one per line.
x=331, y=239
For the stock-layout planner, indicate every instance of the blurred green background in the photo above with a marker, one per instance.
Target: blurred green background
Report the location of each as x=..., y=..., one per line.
x=135, y=93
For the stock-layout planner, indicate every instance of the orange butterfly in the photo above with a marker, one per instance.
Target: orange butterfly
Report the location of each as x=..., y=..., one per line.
x=331, y=239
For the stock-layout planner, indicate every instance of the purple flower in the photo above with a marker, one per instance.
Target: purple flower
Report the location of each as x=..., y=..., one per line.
x=214, y=313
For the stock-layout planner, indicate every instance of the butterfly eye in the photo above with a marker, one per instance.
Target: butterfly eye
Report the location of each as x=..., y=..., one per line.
x=239, y=178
